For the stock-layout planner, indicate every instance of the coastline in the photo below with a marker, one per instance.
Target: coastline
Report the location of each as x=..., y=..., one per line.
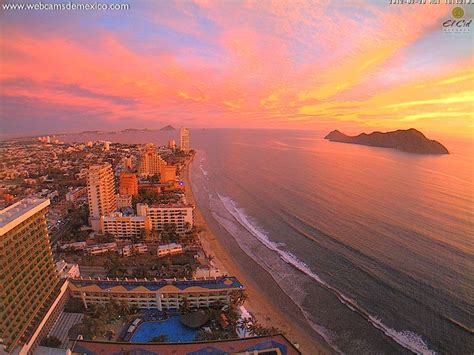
x=271, y=307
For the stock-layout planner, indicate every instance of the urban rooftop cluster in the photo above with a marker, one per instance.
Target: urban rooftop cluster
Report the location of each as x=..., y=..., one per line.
x=99, y=243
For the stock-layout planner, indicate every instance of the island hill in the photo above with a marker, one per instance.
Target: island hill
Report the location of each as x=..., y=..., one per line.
x=409, y=140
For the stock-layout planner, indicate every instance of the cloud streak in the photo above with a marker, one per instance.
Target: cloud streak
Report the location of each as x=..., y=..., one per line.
x=261, y=64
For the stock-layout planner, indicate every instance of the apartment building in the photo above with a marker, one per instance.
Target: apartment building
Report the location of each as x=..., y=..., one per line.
x=100, y=193
x=124, y=227
x=180, y=215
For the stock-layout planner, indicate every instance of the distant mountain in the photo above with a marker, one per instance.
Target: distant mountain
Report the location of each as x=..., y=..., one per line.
x=409, y=140
x=128, y=130
x=168, y=128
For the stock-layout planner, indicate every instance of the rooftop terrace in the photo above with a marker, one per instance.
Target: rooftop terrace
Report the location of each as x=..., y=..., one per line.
x=19, y=212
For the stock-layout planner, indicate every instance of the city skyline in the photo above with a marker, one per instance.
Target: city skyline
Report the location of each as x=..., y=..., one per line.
x=356, y=66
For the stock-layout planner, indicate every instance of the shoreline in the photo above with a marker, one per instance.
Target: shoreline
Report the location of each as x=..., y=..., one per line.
x=264, y=304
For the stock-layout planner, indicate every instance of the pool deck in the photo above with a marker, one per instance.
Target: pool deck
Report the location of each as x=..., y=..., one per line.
x=171, y=328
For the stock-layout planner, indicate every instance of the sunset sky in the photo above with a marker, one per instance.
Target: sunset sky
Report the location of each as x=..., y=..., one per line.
x=353, y=65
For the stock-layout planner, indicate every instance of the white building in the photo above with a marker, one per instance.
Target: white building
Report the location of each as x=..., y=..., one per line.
x=139, y=248
x=73, y=246
x=204, y=271
x=124, y=227
x=66, y=270
x=184, y=139
x=101, y=248
x=157, y=294
x=159, y=215
x=100, y=193
x=74, y=194
x=169, y=249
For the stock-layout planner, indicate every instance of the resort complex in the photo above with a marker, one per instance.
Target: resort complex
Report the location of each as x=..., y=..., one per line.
x=156, y=294
x=117, y=272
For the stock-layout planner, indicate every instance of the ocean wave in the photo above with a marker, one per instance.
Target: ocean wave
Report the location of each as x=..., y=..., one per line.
x=204, y=172
x=405, y=338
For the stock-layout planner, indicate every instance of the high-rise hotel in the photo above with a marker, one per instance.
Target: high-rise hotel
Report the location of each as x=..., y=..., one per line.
x=150, y=161
x=184, y=139
x=28, y=278
x=100, y=193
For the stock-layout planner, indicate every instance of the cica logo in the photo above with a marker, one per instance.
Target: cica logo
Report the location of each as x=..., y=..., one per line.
x=457, y=24
x=457, y=12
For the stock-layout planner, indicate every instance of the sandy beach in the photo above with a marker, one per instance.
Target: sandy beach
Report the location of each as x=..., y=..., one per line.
x=265, y=303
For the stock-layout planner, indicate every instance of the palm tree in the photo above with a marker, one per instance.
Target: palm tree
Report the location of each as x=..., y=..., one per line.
x=238, y=297
x=184, y=306
x=244, y=324
x=210, y=258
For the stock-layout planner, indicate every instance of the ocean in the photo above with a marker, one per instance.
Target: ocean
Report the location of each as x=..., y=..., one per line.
x=373, y=245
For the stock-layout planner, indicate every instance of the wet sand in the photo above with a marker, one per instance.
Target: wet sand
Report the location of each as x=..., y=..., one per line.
x=266, y=301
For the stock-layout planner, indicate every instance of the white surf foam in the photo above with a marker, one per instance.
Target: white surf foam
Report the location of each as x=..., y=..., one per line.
x=204, y=172
x=405, y=338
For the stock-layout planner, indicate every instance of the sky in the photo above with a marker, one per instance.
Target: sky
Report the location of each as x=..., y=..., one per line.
x=352, y=65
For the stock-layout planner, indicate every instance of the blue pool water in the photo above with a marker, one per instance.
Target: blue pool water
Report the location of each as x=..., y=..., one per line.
x=172, y=328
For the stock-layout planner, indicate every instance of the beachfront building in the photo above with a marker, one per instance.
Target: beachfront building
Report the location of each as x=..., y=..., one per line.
x=184, y=139
x=181, y=215
x=150, y=161
x=169, y=249
x=100, y=193
x=167, y=173
x=158, y=294
x=128, y=184
x=28, y=276
x=125, y=227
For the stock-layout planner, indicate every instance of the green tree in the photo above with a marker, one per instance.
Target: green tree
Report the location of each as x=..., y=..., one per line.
x=184, y=306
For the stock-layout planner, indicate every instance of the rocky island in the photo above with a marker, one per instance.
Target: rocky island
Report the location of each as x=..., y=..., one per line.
x=408, y=140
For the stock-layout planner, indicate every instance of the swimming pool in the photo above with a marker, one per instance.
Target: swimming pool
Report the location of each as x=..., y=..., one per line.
x=172, y=328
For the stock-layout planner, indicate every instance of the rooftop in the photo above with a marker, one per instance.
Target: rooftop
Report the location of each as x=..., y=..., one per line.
x=229, y=282
x=272, y=344
x=15, y=214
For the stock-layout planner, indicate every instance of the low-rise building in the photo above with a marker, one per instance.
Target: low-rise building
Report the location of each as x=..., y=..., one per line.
x=125, y=227
x=74, y=194
x=73, y=246
x=203, y=271
x=169, y=249
x=133, y=249
x=101, y=248
x=155, y=294
x=181, y=215
x=66, y=270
